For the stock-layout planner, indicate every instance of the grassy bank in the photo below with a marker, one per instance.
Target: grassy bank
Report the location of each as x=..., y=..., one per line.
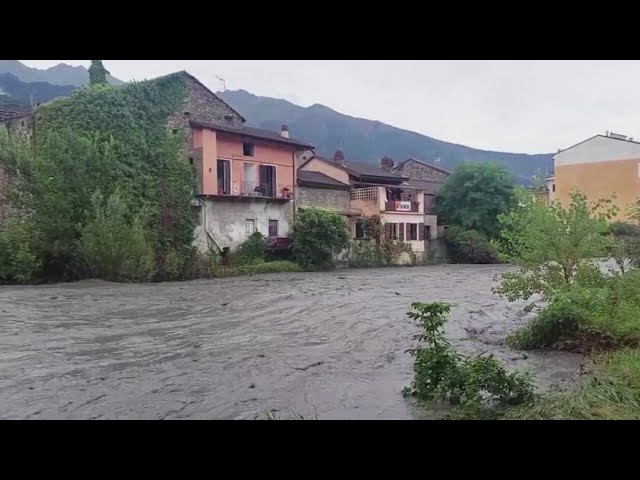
x=610, y=391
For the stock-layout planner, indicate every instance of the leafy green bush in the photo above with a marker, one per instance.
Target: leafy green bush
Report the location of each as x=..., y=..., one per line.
x=20, y=250
x=442, y=373
x=252, y=250
x=469, y=246
x=554, y=246
x=111, y=246
x=318, y=235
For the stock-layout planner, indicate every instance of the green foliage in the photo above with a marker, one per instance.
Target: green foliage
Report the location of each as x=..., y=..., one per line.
x=625, y=247
x=554, y=246
x=280, y=266
x=601, y=315
x=252, y=250
x=611, y=391
x=388, y=249
x=113, y=247
x=474, y=195
x=97, y=73
x=107, y=139
x=441, y=373
x=317, y=236
x=366, y=254
x=469, y=246
x=20, y=258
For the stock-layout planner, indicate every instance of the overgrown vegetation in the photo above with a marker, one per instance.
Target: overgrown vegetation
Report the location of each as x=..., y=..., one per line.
x=588, y=310
x=469, y=246
x=318, y=236
x=380, y=249
x=440, y=373
x=100, y=141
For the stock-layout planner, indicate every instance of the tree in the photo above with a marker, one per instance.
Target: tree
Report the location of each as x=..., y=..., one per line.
x=474, y=195
x=317, y=236
x=554, y=246
x=97, y=73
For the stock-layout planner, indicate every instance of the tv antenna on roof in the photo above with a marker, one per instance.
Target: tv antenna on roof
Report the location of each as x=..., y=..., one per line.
x=223, y=83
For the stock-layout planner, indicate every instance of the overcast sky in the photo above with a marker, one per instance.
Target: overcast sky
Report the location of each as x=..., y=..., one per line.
x=514, y=106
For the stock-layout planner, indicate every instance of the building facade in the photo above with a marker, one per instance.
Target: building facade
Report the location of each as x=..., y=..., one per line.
x=373, y=191
x=599, y=167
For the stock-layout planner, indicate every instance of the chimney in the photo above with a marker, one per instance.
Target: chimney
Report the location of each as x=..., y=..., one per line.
x=284, y=133
x=386, y=163
x=338, y=157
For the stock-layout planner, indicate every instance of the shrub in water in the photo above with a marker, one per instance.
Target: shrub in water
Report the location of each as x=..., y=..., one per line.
x=442, y=373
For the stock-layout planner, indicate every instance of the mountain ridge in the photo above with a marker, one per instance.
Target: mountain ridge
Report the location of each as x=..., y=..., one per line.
x=369, y=140
x=61, y=74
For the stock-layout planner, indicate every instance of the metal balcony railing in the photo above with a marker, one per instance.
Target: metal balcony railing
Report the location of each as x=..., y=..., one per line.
x=255, y=189
x=402, y=206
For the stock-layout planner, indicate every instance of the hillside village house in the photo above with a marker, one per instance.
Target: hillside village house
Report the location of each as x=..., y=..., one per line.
x=599, y=167
x=373, y=190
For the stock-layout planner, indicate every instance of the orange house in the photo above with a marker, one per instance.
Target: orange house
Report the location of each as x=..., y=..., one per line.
x=245, y=179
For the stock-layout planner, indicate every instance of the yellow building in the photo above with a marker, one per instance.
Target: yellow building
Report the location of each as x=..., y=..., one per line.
x=600, y=167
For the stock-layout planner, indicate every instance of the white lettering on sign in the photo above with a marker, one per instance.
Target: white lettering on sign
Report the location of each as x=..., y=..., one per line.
x=403, y=206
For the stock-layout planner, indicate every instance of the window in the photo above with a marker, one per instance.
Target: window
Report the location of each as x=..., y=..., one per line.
x=224, y=177
x=553, y=187
x=360, y=228
x=392, y=230
x=413, y=231
x=247, y=149
x=268, y=186
x=190, y=160
x=249, y=227
x=196, y=211
x=273, y=228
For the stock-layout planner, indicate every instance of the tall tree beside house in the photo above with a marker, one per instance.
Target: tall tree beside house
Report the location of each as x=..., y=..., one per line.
x=97, y=73
x=474, y=195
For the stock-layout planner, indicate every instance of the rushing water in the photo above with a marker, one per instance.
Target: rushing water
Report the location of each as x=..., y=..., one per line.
x=330, y=345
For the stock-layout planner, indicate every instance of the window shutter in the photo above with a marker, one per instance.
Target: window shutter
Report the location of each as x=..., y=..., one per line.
x=421, y=231
x=401, y=232
x=387, y=228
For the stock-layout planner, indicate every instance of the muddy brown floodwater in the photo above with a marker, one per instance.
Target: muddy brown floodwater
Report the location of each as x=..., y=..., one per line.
x=327, y=344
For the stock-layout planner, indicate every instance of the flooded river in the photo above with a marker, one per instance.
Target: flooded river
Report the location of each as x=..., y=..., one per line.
x=329, y=345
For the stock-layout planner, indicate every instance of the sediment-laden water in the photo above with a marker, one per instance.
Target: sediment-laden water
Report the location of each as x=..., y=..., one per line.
x=329, y=345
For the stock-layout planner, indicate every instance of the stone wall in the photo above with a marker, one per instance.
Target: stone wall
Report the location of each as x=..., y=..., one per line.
x=337, y=200
x=421, y=171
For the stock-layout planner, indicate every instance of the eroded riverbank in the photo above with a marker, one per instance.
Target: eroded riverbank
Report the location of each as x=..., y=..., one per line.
x=326, y=344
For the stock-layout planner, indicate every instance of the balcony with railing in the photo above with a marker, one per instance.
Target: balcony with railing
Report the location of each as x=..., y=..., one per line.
x=256, y=190
x=376, y=199
x=402, y=206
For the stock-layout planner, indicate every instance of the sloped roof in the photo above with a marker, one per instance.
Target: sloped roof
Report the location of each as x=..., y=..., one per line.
x=252, y=132
x=363, y=169
x=429, y=187
x=184, y=73
x=306, y=177
x=435, y=167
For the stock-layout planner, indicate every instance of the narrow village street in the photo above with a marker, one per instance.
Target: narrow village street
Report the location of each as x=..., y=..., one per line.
x=330, y=345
